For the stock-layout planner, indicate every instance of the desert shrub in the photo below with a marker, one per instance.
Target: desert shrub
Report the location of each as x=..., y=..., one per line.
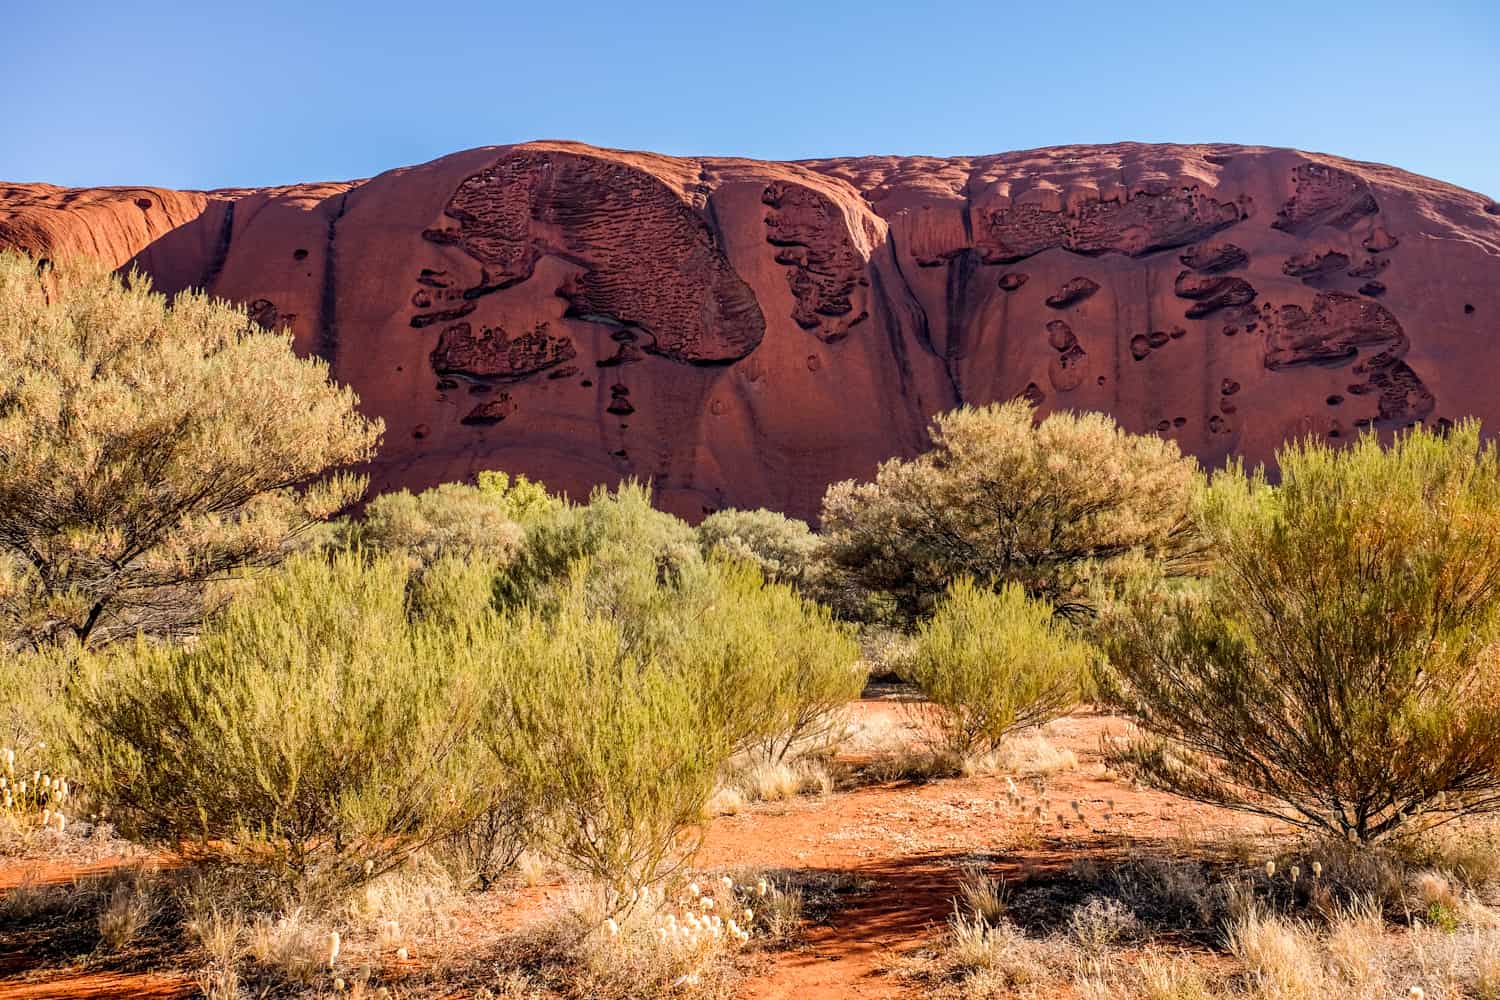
x=451, y=519
x=612, y=738
x=995, y=662
x=774, y=667
x=149, y=449
x=624, y=713
x=315, y=726
x=520, y=499
x=777, y=669
x=1057, y=507
x=631, y=550
x=783, y=548
x=1339, y=673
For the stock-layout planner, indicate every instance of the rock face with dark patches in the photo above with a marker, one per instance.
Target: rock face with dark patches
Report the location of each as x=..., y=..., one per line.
x=744, y=333
x=489, y=353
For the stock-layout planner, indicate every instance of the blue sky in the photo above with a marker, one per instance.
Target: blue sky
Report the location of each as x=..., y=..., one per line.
x=209, y=95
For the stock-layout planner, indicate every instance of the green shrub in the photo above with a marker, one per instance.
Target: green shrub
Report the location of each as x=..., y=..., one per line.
x=778, y=669
x=520, y=499
x=317, y=725
x=1339, y=672
x=151, y=449
x=451, y=519
x=613, y=741
x=996, y=662
x=632, y=552
x=783, y=548
x=1058, y=507
x=623, y=716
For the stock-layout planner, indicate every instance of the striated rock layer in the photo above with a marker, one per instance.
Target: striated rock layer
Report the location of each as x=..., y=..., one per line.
x=744, y=333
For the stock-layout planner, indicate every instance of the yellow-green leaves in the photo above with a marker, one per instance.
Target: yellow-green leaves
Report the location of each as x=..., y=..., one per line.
x=151, y=448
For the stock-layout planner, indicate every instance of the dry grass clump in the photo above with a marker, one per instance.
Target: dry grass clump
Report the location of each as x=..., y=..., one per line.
x=982, y=896
x=682, y=942
x=129, y=907
x=777, y=781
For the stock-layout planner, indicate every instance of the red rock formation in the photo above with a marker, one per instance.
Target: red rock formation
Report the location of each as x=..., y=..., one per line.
x=743, y=333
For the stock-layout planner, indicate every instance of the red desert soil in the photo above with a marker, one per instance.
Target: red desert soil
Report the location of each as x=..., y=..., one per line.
x=743, y=333
x=907, y=842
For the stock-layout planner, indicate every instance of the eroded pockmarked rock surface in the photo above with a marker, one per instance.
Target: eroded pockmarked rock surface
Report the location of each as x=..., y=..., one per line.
x=742, y=333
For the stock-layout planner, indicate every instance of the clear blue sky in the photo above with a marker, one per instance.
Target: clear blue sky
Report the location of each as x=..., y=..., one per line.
x=207, y=94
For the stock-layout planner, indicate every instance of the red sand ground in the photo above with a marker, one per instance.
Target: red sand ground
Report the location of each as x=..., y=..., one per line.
x=908, y=842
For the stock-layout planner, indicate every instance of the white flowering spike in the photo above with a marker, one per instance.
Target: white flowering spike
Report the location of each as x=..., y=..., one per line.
x=694, y=890
x=727, y=882
x=1416, y=993
x=1317, y=867
x=369, y=867
x=333, y=947
x=402, y=954
x=1270, y=869
x=734, y=928
x=46, y=818
x=338, y=985
x=612, y=927
x=663, y=933
x=62, y=822
x=46, y=782
x=708, y=902
x=10, y=759
x=1295, y=872
x=761, y=887
x=748, y=915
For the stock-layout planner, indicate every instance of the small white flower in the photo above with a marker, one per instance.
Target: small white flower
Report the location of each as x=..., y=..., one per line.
x=727, y=882
x=402, y=954
x=1317, y=867
x=1416, y=993
x=707, y=902
x=333, y=947
x=761, y=887
x=693, y=890
x=1270, y=869
x=338, y=985
x=612, y=927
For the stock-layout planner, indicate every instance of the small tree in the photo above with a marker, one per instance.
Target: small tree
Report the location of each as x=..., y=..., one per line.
x=316, y=723
x=1054, y=507
x=1340, y=672
x=996, y=662
x=151, y=448
x=783, y=548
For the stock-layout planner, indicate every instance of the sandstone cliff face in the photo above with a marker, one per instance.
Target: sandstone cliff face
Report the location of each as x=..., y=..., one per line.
x=744, y=333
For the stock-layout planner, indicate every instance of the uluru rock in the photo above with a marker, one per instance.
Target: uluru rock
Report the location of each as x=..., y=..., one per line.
x=784, y=325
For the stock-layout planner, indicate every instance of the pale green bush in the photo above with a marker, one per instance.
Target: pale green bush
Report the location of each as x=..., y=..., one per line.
x=1063, y=507
x=317, y=726
x=451, y=519
x=783, y=548
x=613, y=741
x=996, y=662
